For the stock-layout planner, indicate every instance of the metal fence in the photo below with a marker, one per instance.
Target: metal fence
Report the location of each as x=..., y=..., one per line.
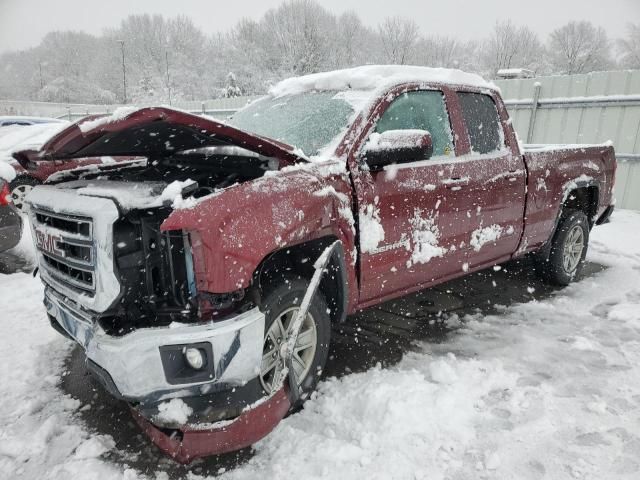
x=218, y=107
x=589, y=108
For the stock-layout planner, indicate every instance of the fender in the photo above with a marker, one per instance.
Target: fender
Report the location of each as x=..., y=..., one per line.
x=232, y=232
x=567, y=188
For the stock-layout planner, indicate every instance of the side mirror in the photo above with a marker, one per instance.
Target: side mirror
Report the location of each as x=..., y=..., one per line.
x=397, y=146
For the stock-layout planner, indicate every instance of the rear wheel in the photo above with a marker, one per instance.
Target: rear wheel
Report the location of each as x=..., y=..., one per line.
x=20, y=187
x=568, y=249
x=281, y=305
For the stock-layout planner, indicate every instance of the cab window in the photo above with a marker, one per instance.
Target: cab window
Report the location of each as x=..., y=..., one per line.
x=481, y=116
x=422, y=110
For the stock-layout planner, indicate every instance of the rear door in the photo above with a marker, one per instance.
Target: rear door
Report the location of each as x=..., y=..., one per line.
x=408, y=213
x=496, y=180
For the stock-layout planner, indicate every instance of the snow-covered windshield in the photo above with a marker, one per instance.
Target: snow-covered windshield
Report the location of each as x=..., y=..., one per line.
x=308, y=121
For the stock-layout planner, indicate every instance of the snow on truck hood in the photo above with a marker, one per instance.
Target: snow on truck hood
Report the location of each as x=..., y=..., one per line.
x=150, y=132
x=127, y=195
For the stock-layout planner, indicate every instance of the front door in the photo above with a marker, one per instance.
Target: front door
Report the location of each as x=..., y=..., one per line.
x=409, y=214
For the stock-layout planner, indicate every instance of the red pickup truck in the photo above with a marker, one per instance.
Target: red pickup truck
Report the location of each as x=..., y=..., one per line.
x=181, y=278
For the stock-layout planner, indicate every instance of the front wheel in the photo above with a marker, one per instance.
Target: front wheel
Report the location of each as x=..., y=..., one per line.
x=312, y=346
x=20, y=187
x=568, y=249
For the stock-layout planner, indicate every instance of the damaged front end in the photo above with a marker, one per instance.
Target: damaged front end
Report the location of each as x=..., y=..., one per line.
x=125, y=286
x=132, y=305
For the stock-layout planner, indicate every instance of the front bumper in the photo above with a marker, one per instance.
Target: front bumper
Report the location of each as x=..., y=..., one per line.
x=131, y=366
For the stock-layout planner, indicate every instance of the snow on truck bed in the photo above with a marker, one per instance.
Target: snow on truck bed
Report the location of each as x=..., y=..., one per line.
x=544, y=389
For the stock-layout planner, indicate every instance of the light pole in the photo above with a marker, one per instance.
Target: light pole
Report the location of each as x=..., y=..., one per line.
x=40, y=69
x=124, y=73
x=166, y=58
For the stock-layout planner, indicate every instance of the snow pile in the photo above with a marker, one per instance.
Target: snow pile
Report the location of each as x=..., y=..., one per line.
x=175, y=411
x=372, y=77
x=118, y=114
x=40, y=435
x=371, y=230
x=425, y=235
x=485, y=235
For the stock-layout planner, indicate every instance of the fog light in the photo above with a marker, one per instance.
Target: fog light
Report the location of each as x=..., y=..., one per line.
x=194, y=358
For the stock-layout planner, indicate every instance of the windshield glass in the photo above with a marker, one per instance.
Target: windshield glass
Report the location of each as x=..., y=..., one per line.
x=308, y=121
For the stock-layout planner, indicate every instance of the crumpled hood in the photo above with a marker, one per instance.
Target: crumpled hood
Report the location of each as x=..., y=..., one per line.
x=154, y=132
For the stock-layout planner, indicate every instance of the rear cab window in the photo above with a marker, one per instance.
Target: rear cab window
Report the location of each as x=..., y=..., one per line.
x=483, y=124
x=421, y=110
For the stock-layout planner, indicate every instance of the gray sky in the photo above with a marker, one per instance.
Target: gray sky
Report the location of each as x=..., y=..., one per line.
x=23, y=23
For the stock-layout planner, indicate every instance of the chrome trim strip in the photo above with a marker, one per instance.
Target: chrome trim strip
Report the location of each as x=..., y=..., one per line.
x=62, y=216
x=61, y=277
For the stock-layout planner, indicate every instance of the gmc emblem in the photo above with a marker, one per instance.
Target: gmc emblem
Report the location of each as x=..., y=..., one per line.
x=48, y=243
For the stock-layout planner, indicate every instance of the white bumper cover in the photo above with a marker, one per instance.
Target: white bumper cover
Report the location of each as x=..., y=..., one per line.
x=133, y=360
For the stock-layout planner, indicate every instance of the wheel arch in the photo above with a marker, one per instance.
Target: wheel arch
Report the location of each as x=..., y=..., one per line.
x=585, y=198
x=297, y=261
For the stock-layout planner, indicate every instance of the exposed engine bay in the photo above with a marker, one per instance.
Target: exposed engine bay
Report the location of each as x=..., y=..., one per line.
x=154, y=267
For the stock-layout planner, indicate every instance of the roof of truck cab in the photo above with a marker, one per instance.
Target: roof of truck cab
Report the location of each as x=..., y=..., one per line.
x=377, y=77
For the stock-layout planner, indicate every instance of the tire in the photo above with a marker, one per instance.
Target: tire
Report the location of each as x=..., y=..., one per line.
x=19, y=187
x=566, y=257
x=280, y=304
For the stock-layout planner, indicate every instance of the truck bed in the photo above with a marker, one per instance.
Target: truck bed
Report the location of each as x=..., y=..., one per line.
x=555, y=170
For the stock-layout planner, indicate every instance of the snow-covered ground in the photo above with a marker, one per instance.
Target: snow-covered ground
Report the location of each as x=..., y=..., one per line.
x=544, y=389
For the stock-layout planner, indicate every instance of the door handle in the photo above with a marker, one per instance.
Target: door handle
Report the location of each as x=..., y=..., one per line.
x=456, y=183
x=514, y=174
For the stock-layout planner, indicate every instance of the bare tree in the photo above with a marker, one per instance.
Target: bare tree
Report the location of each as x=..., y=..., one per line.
x=510, y=46
x=439, y=51
x=301, y=34
x=398, y=37
x=630, y=47
x=579, y=47
x=355, y=44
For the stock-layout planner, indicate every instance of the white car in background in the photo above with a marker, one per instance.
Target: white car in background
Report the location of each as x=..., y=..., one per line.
x=19, y=120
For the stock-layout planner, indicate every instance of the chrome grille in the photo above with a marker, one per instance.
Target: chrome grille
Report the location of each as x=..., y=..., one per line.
x=67, y=248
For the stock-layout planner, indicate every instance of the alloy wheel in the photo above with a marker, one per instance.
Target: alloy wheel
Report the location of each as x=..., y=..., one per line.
x=303, y=352
x=573, y=249
x=18, y=194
